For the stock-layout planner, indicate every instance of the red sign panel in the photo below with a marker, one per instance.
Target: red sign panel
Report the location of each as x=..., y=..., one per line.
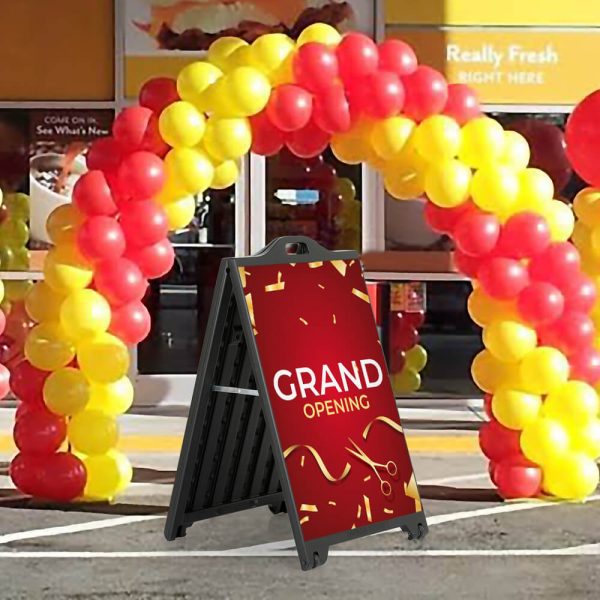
x=334, y=409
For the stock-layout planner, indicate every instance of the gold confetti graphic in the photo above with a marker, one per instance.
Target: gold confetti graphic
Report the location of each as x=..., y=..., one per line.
x=334, y=320
x=315, y=265
x=321, y=286
x=243, y=274
x=292, y=264
x=251, y=311
x=395, y=426
x=351, y=263
x=276, y=287
x=368, y=508
x=320, y=462
x=353, y=526
x=308, y=508
x=367, y=478
x=302, y=460
x=332, y=503
x=359, y=511
x=340, y=266
x=361, y=295
x=305, y=519
x=303, y=321
x=388, y=511
x=410, y=489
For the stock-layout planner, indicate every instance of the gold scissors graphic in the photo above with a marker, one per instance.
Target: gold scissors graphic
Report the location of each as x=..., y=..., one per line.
x=390, y=467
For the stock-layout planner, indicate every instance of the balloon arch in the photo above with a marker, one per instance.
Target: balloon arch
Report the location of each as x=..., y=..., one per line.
x=370, y=103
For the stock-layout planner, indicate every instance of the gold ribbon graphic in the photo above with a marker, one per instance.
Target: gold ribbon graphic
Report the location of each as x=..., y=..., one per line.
x=410, y=489
x=320, y=462
x=395, y=426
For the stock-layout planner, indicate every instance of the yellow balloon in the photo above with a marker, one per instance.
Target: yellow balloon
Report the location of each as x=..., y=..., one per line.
x=103, y=358
x=515, y=409
x=438, y=138
x=561, y=220
x=42, y=303
x=14, y=233
x=571, y=477
x=586, y=439
x=48, y=347
x=390, y=136
x=488, y=372
x=535, y=189
x=171, y=190
x=345, y=188
x=84, y=313
x=516, y=151
x=241, y=57
x=447, y=183
x=190, y=169
x=20, y=259
x=63, y=223
x=226, y=174
x=544, y=369
x=406, y=382
x=495, y=188
x=66, y=391
x=544, y=440
x=270, y=51
x=193, y=81
x=482, y=142
x=573, y=403
x=416, y=358
x=16, y=291
x=180, y=212
x=18, y=205
x=587, y=206
x=509, y=341
x=93, y=432
x=483, y=309
x=66, y=270
x=107, y=475
x=582, y=236
x=404, y=177
x=113, y=398
x=2, y=291
x=354, y=146
x=221, y=50
x=227, y=138
x=247, y=90
x=181, y=125
x=319, y=32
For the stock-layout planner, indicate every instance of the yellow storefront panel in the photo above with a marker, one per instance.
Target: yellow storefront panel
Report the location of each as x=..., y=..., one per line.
x=494, y=12
x=512, y=66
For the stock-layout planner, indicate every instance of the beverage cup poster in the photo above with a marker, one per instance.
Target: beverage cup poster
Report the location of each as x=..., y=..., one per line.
x=333, y=405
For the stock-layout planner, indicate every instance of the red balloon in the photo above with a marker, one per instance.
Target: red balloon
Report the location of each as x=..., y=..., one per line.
x=385, y=94
x=426, y=93
x=323, y=177
x=158, y=92
x=547, y=144
x=120, y=281
x=357, y=56
x=25, y=408
x=331, y=110
x=136, y=128
x=444, y=220
x=585, y=365
x=503, y=278
x=308, y=141
x=39, y=432
x=540, y=303
x=405, y=338
x=569, y=333
x=25, y=472
x=518, y=479
x=92, y=195
x=315, y=66
x=524, y=235
x=2, y=322
x=582, y=135
x=557, y=264
x=289, y=107
x=100, y=238
x=104, y=154
x=4, y=381
x=477, y=234
x=63, y=477
x=267, y=140
x=154, y=261
x=498, y=442
x=27, y=382
x=462, y=104
x=397, y=56
x=579, y=292
x=492, y=472
x=130, y=322
x=487, y=406
x=468, y=265
x=144, y=223
x=141, y=175
x=398, y=361
x=414, y=318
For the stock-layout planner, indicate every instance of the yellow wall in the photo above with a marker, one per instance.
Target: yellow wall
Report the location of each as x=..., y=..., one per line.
x=57, y=50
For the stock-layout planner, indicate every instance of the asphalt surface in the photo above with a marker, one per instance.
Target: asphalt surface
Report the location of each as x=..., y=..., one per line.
x=477, y=547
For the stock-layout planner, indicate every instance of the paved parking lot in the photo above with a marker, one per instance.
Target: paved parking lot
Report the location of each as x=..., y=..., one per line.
x=478, y=547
